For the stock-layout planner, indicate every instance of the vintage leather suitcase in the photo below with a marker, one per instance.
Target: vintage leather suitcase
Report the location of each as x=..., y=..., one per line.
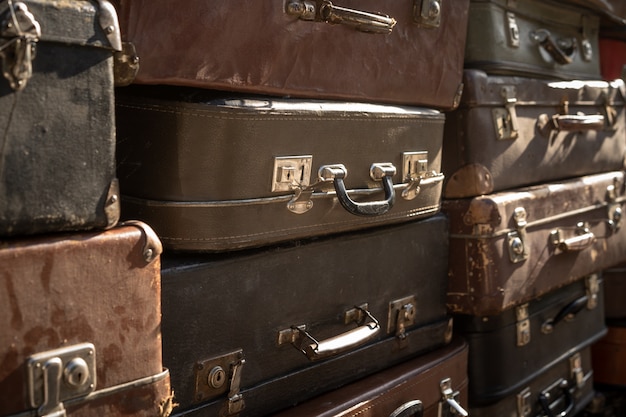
x=57, y=146
x=509, y=350
x=261, y=330
x=609, y=355
x=536, y=38
x=393, y=51
x=213, y=173
x=431, y=385
x=563, y=389
x=80, y=325
x=615, y=291
x=515, y=131
x=510, y=247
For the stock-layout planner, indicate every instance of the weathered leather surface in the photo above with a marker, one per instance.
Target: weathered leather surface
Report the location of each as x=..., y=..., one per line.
x=477, y=161
x=64, y=289
x=57, y=146
x=580, y=396
x=483, y=280
x=609, y=356
x=256, y=47
x=498, y=367
x=489, y=45
x=381, y=394
x=199, y=167
x=219, y=303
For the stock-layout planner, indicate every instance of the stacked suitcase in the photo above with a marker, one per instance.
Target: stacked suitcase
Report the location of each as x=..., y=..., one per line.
x=80, y=321
x=534, y=191
x=292, y=170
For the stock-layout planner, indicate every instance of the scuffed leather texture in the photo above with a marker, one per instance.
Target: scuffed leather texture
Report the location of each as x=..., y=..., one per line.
x=238, y=45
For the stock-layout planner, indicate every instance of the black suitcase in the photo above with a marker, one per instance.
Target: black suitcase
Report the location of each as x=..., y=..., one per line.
x=211, y=172
x=261, y=330
x=57, y=140
x=509, y=350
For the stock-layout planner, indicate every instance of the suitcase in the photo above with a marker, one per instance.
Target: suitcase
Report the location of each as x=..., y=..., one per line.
x=80, y=325
x=511, y=349
x=562, y=389
x=510, y=247
x=57, y=146
x=213, y=173
x=260, y=330
x=613, y=12
x=403, y=52
x=609, y=355
x=533, y=38
x=431, y=385
x=615, y=292
x=515, y=131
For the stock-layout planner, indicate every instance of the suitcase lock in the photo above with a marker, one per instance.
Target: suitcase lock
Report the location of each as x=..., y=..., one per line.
x=518, y=247
x=60, y=375
x=20, y=32
x=505, y=119
x=427, y=13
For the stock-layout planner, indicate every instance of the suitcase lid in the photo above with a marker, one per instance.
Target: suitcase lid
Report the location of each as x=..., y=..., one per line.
x=492, y=90
x=496, y=214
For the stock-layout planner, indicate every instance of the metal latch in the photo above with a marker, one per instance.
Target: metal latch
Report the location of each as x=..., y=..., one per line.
x=614, y=209
x=522, y=324
x=401, y=315
x=19, y=33
x=220, y=375
x=415, y=173
x=60, y=375
x=427, y=13
x=524, y=407
x=505, y=119
x=512, y=30
x=516, y=240
x=576, y=370
x=592, y=288
x=449, y=406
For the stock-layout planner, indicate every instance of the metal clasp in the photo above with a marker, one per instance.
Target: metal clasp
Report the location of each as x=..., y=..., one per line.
x=19, y=32
x=401, y=315
x=512, y=30
x=524, y=408
x=427, y=13
x=614, y=209
x=505, y=119
x=449, y=405
x=60, y=375
x=576, y=370
x=517, y=244
x=522, y=325
x=592, y=288
x=415, y=173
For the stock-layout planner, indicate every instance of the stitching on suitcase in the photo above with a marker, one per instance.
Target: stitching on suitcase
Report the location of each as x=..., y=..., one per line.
x=411, y=213
x=382, y=118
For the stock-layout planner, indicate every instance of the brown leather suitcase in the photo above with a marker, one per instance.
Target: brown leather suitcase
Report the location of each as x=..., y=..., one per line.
x=80, y=324
x=393, y=51
x=510, y=247
x=431, y=385
x=615, y=291
x=509, y=350
x=57, y=146
x=564, y=388
x=510, y=132
x=609, y=356
x=256, y=331
x=212, y=172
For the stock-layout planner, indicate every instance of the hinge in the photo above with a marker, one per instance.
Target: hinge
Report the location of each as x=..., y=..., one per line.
x=592, y=287
x=516, y=240
x=522, y=324
x=505, y=119
x=60, y=375
x=19, y=33
x=524, y=407
x=427, y=13
x=576, y=370
x=449, y=405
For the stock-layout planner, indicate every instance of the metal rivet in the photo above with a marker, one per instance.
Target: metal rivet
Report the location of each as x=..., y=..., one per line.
x=517, y=246
x=109, y=29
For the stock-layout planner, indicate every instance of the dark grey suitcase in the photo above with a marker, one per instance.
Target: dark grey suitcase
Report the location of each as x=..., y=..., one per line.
x=257, y=331
x=57, y=130
x=213, y=172
x=509, y=350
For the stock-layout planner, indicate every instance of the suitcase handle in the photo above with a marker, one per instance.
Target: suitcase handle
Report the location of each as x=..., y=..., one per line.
x=560, y=54
x=570, y=122
x=326, y=11
x=545, y=398
x=582, y=239
x=567, y=312
x=378, y=172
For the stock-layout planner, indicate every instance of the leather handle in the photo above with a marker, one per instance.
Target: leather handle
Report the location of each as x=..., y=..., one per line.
x=583, y=239
x=326, y=11
x=551, y=46
x=378, y=172
x=569, y=310
x=571, y=122
x=544, y=401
